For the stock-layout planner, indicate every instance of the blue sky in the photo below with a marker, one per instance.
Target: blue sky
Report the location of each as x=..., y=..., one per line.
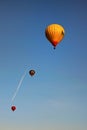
x=56, y=97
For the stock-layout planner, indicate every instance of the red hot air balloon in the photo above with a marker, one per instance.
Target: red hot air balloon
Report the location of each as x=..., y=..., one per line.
x=13, y=108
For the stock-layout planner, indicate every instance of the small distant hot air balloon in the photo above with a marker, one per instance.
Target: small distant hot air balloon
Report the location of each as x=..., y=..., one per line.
x=13, y=108
x=54, y=33
x=32, y=72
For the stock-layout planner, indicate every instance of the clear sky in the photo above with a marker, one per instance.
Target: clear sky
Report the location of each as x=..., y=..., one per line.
x=56, y=97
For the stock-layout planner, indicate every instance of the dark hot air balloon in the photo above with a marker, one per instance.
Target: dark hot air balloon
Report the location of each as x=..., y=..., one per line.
x=13, y=108
x=32, y=72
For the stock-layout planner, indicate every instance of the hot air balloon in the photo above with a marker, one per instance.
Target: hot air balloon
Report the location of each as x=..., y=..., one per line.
x=54, y=33
x=32, y=72
x=13, y=108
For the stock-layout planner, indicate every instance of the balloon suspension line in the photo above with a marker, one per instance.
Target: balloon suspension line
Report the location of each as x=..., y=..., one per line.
x=18, y=87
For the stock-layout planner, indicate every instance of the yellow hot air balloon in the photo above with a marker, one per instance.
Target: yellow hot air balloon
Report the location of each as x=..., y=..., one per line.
x=54, y=33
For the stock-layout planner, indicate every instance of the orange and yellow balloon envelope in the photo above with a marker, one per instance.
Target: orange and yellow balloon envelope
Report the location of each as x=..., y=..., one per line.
x=54, y=33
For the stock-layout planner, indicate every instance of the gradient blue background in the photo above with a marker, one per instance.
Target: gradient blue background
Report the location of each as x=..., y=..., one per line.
x=56, y=97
